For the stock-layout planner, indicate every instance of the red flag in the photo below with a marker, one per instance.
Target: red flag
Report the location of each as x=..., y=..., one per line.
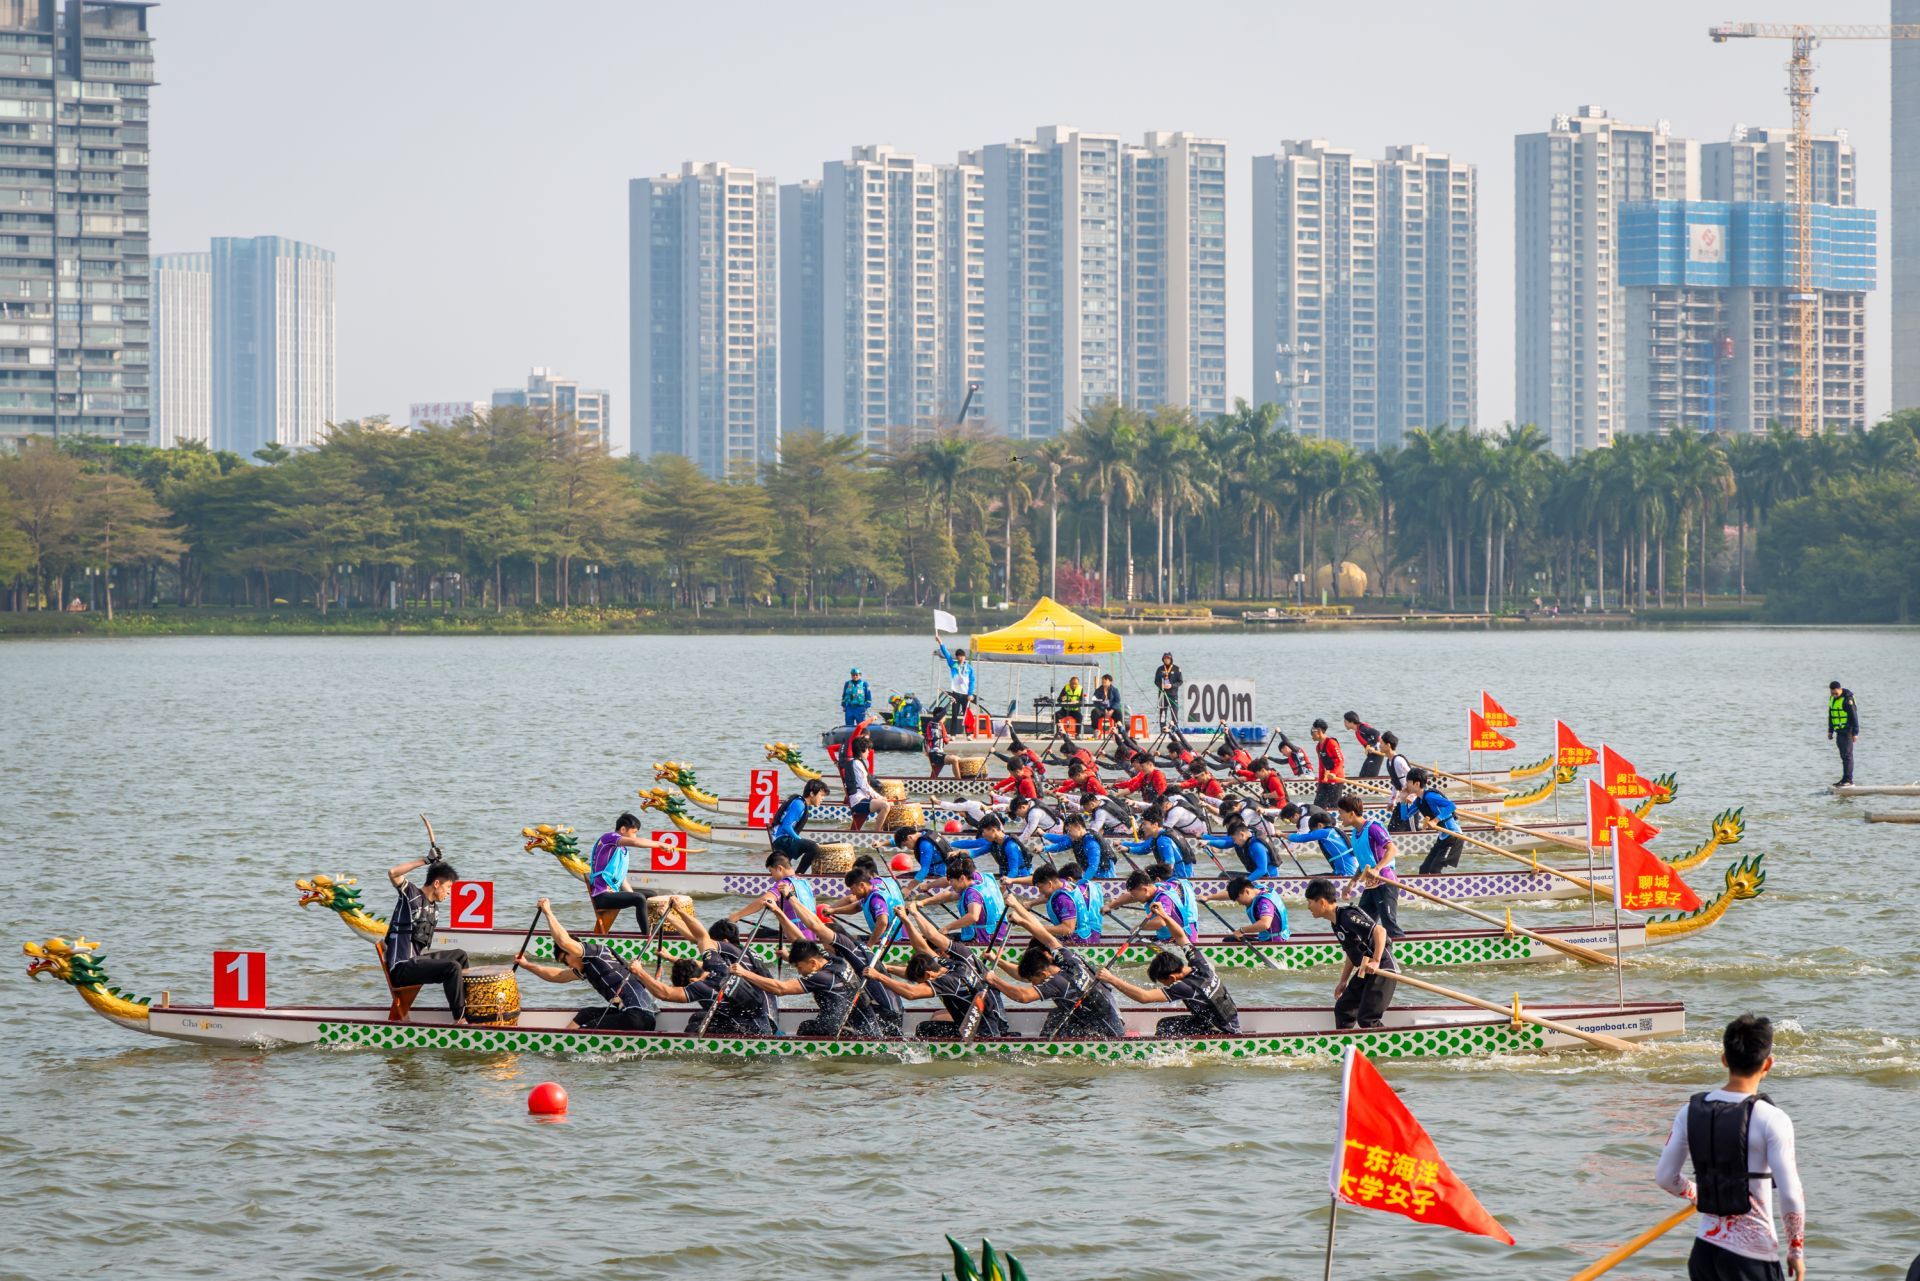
x=1497, y=716
x=1642, y=882
x=1605, y=815
x=1620, y=778
x=1572, y=753
x=1383, y=1159
x=1482, y=737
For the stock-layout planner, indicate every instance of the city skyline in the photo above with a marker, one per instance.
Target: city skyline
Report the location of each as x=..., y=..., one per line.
x=416, y=316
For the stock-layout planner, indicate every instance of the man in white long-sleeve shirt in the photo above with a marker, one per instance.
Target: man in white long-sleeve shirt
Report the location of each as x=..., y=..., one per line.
x=1742, y=1151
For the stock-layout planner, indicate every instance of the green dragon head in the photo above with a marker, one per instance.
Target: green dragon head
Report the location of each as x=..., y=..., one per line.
x=659, y=798
x=988, y=1269
x=557, y=841
x=1747, y=878
x=69, y=962
x=328, y=891
x=1729, y=826
x=675, y=773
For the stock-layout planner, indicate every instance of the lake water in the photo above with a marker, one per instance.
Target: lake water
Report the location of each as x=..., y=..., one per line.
x=162, y=795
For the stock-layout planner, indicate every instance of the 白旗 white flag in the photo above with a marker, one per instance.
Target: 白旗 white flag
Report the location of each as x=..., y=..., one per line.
x=945, y=622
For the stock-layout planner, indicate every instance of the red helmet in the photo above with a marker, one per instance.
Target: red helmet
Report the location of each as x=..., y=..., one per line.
x=953, y=827
x=903, y=863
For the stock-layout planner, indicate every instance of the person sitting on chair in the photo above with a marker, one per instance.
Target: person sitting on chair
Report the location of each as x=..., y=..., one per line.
x=629, y=1006
x=607, y=874
x=410, y=933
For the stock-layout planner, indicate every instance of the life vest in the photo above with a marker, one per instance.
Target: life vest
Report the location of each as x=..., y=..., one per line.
x=1717, y=1141
x=800, y=820
x=993, y=906
x=1182, y=846
x=888, y=893
x=933, y=732
x=1362, y=843
x=1011, y=855
x=1278, y=930
x=1180, y=895
x=843, y=761
x=1071, y=696
x=834, y=1002
x=1090, y=907
x=1836, y=716
x=1212, y=1002
x=1095, y=859
x=942, y=852
x=803, y=892
x=616, y=985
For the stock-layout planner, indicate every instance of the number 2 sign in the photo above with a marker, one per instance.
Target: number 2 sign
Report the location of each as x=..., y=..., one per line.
x=763, y=796
x=472, y=905
x=675, y=859
x=240, y=980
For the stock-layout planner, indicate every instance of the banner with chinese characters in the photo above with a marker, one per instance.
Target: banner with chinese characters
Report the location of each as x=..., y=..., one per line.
x=1383, y=1159
x=1569, y=751
x=1482, y=737
x=1605, y=816
x=1642, y=883
x=1496, y=715
x=1620, y=778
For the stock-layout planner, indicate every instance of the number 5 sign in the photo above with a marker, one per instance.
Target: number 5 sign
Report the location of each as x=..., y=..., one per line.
x=763, y=796
x=240, y=980
x=674, y=859
x=472, y=905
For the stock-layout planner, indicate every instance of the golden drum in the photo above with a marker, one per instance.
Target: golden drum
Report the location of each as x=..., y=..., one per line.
x=969, y=766
x=492, y=995
x=834, y=860
x=893, y=789
x=905, y=814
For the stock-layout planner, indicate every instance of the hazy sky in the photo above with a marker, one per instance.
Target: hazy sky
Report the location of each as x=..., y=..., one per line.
x=468, y=162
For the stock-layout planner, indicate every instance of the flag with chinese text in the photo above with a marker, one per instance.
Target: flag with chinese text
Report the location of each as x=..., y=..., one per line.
x=1642, y=883
x=1620, y=778
x=1569, y=751
x=1495, y=715
x=1606, y=815
x=1482, y=737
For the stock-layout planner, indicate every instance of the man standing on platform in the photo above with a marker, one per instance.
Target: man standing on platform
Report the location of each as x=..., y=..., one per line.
x=1369, y=973
x=1330, y=778
x=1742, y=1150
x=1843, y=726
x=856, y=698
x=1167, y=681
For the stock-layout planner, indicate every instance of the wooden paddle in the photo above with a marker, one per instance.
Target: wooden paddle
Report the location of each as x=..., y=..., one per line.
x=1474, y=783
x=1534, y=863
x=525, y=939
x=893, y=930
x=731, y=984
x=1600, y=1039
x=1575, y=950
x=433, y=846
x=977, y=1003
x=1606, y=1262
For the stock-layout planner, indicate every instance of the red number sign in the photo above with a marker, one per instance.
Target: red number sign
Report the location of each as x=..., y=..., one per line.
x=674, y=860
x=473, y=905
x=240, y=980
x=763, y=796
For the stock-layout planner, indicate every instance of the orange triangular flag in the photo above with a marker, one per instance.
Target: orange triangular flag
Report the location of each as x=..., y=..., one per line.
x=1570, y=752
x=1482, y=737
x=1497, y=716
x=1606, y=815
x=1620, y=778
x=1641, y=882
x=1383, y=1159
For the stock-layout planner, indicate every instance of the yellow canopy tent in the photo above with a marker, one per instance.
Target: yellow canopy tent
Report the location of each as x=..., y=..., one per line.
x=1050, y=633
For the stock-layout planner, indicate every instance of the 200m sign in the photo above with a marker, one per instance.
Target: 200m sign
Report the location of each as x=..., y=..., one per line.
x=1210, y=702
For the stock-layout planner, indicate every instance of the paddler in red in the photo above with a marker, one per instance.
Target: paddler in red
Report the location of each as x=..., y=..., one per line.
x=1330, y=781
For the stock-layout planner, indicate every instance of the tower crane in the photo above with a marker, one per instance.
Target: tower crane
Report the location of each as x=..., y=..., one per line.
x=1800, y=91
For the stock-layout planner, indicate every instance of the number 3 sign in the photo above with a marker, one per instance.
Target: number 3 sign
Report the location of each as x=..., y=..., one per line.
x=472, y=905
x=240, y=980
x=670, y=860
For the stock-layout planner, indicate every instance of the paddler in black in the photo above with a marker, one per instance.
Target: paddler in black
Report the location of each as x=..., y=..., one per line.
x=831, y=983
x=1189, y=979
x=944, y=968
x=1371, y=758
x=1367, y=975
x=410, y=933
x=1050, y=971
x=629, y=1006
x=744, y=1010
x=876, y=1009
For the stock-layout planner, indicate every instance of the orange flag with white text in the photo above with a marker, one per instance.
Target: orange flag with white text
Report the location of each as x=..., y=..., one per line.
x=1482, y=737
x=1642, y=882
x=1383, y=1159
x=1569, y=751
x=1496, y=715
x=1620, y=778
x=1606, y=816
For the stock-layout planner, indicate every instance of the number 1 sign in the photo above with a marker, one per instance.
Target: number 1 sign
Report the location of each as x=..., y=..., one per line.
x=240, y=980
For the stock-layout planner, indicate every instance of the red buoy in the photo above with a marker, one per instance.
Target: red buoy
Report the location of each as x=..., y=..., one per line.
x=953, y=827
x=903, y=863
x=547, y=1099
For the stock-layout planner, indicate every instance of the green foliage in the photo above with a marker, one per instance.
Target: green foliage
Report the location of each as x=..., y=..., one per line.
x=1026, y=570
x=1850, y=552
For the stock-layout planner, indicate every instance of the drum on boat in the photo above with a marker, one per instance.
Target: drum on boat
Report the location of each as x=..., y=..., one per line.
x=969, y=766
x=833, y=860
x=493, y=995
x=906, y=814
x=893, y=789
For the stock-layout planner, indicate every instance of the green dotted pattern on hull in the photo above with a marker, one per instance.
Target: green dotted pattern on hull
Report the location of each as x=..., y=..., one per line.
x=1416, y=1043
x=1489, y=949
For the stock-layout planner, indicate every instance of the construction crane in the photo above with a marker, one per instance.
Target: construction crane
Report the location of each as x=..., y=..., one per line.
x=1800, y=91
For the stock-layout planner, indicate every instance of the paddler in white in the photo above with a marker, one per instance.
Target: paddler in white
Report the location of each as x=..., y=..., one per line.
x=1742, y=1150
x=629, y=1006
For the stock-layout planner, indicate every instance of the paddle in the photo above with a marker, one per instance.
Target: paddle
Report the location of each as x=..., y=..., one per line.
x=977, y=1007
x=1600, y=1039
x=433, y=846
x=893, y=930
x=1534, y=863
x=732, y=982
x=1233, y=929
x=1474, y=783
x=525, y=939
x=1575, y=950
x=1606, y=1262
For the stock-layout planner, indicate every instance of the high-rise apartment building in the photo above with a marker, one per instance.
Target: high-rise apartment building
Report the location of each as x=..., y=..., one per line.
x=1711, y=339
x=704, y=310
x=1569, y=183
x=273, y=343
x=1364, y=297
x=882, y=269
x=1757, y=166
x=590, y=409
x=74, y=282
x=1905, y=231
x=182, y=348
x=1105, y=275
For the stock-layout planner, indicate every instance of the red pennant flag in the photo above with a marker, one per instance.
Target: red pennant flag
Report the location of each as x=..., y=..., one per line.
x=1497, y=716
x=1642, y=882
x=1482, y=737
x=1383, y=1159
x=1571, y=753
x=1606, y=815
x=1620, y=778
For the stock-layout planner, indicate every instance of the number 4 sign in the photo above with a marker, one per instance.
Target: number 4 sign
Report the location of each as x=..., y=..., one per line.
x=473, y=905
x=675, y=859
x=240, y=980
x=763, y=797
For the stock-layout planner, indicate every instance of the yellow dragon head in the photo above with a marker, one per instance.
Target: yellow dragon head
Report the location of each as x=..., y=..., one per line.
x=559, y=842
x=337, y=892
x=1746, y=879
x=79, y=964
x=788, y=755
x=683, y=777
x=659, y=798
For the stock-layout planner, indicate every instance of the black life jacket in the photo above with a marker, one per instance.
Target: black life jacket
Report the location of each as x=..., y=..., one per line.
x=844, y=763
x=608, y=976
x=739, y=994
x=798, y=823
x=944, y=850
x=834, y=1001
x=1181, y=843
x=1214, y=1003
x=1717, y=1140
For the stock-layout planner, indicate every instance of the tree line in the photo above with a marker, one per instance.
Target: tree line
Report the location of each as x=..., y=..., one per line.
x=512, y=509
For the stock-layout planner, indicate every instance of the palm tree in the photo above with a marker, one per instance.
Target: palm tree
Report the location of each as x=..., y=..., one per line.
x=1702, y=481
x=1167, y=448
x=1054, y=456
x=1104, y=438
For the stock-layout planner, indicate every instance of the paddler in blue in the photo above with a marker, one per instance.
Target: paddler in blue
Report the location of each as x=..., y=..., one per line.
x=1373, y=847
x=1321, y=831
x=1431, y=809
x=1162, y=846
x=978, y=901
x=1081, y=845
x=1265, y=911
x=879, y=902
x=1172, y=910
x=1074, y=906
x=783, y=835
x=928, y=851
x=1255, y=854
x=1006, y=850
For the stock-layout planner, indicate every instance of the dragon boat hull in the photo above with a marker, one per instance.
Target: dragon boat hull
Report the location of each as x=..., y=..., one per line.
x=1410, y=1031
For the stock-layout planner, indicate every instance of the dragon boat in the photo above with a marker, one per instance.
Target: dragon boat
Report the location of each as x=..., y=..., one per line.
x=1266, y=1031
x=1745, y=879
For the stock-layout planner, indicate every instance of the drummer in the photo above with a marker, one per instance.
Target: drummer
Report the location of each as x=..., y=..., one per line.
x=629, y=1006
x=783, y=834
x=410, y=934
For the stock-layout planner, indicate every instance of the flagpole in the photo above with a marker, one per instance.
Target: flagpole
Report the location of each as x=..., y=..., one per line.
x=1619, y=952
x=1333, y=1216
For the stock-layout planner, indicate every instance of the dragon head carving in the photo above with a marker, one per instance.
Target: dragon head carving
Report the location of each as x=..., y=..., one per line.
x=788, y=755
x=674, y=773
x=1747, y=878
x=1665, y=788
x=659, y=798
x=328, y=891
x=1729, y=826
x=79, y=963
x=557, y=841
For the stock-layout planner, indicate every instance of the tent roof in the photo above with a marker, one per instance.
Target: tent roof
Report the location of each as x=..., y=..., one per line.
x=1049, y=632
